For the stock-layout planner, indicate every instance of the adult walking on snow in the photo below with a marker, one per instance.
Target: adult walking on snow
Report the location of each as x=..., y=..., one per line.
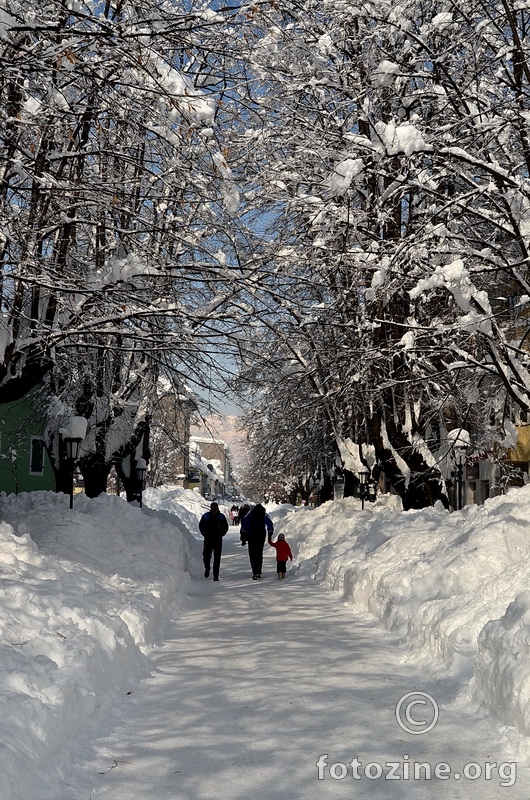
x=243, y=511
x=255, y=527
x=213, y=525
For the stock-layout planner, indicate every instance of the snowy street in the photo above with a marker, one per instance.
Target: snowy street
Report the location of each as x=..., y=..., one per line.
x=257, y=680
x=265, y=262
x=126, y=675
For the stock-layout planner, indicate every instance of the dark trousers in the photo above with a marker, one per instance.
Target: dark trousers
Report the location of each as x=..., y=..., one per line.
x=281, y=567
x=212, y=544
x=255, y=554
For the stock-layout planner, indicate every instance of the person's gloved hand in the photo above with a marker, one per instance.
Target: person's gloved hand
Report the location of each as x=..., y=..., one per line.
x=243, y=544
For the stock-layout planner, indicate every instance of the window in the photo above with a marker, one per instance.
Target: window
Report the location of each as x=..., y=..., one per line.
x=36, y=463
x=472, y=471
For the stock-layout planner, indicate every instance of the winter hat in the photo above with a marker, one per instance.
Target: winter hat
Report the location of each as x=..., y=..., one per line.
x=281, y=536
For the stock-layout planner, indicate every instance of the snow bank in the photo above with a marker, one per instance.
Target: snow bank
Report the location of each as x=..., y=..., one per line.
x=453, y=585
x=83, y=594
x=184, y=505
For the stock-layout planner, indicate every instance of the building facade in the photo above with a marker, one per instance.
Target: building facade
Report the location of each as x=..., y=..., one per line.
x=24, y=462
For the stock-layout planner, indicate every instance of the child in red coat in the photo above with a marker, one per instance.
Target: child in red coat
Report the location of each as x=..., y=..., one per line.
x=283, y=552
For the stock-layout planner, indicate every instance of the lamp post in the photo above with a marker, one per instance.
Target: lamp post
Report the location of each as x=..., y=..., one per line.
x=363, y=484
x=461, y=445
x=72, y=445
x=460, y=459
x=141, y=469
x=72, y=435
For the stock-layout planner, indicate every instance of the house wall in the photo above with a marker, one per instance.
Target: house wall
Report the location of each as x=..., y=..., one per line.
x=168, y=443
x=521, y=451
x=182, y=432
x=24, y=463
x=214, y=449
x=216, y=453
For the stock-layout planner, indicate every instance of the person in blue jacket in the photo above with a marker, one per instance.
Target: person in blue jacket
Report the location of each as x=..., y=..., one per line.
x=255, y=528
x=213, y=525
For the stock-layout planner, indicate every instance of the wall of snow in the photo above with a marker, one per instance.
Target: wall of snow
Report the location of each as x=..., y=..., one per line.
x=83, y=594
x=453, y=585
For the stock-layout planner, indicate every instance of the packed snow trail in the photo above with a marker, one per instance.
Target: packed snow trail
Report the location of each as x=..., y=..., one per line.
x=256, y=681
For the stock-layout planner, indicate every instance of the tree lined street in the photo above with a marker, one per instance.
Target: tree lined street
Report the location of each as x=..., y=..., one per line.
x=255, y=682
x=330, y=200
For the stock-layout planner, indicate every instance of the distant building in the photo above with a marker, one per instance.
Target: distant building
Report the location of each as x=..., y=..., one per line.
x=169, y=439
x=210, y=467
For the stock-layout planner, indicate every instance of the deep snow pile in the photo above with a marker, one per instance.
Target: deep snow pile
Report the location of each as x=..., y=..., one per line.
x=188, y=506
x=454, y=585
x=82, y=594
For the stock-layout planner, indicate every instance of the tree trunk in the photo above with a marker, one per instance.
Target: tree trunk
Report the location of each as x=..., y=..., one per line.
x=131, y=484
x=63, y=476
x=422, y=491
x=349, y=483
x=15, y=383
x=95, y=473
x=424, y=486
x=326, y=492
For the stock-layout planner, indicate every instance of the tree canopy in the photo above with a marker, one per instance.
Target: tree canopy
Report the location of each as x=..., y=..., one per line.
x=334, y=196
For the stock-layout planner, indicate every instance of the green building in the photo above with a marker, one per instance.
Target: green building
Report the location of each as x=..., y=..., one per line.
x=24, y=462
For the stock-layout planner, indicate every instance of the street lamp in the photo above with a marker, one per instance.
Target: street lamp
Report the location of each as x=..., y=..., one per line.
x=363, y=484
x=461, y=444
x=141, y=469
x=72, y=436
x=72, y=445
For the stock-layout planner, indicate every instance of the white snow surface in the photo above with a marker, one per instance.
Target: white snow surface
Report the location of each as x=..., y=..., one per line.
x=126, y=675
x=344, y=173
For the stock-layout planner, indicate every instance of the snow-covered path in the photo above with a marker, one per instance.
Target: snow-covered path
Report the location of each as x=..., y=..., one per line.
x=259, y=679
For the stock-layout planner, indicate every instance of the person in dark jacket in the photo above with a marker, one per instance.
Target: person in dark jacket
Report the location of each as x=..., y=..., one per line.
x=243, y=511
x=254, y=528
x=283, y=552
x=213, y=525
